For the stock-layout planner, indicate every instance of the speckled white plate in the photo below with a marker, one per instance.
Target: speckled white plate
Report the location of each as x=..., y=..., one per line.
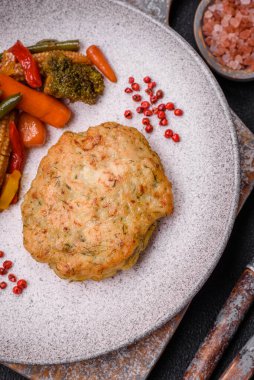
x=55, y=321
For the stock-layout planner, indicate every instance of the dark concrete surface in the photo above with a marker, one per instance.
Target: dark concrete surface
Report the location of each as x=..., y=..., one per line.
x=240, y=248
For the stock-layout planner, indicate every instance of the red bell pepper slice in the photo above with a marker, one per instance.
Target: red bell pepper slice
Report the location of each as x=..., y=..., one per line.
x=18, y=155
x=29, y=65
x=17, y=158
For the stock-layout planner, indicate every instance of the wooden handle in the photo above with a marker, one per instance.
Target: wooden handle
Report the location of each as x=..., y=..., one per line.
x=223, y=330
x=241, y=368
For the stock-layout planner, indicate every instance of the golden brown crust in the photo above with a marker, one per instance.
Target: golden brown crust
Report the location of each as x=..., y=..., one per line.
x=94, y=202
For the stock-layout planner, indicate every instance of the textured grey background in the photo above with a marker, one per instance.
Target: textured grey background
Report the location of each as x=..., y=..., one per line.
x=239, y=250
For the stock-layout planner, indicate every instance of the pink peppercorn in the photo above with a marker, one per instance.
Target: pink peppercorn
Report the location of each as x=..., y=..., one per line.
x=136, y=98
x=176, y=137
x=168, y=133
x=153, y=99
x=151, y=85
x=139, y=110
x=128, y=90
x=159, y=94
x=128, y=114
x=145, y=121
x=7, y=264
x=163, y=122
x=147, y=79
x=148, y=113
x=145, y=104
x=178, y=112
x=3, y=285
x=3, y=271
x=161, y=107
x=12, y=277
x=135, y=87
x=161, y=115
x=170, y=106
x=149, y=91
x=17, y=290
x=149, y=128
x=22, y=283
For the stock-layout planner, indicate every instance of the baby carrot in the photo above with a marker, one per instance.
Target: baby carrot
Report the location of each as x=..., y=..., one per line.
x=100, y=61
x=38, y=104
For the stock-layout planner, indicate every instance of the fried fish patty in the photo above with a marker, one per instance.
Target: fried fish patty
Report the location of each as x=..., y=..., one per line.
x=94, y=202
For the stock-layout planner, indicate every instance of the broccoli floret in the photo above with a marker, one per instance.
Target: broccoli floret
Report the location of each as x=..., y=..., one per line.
x=74, y=81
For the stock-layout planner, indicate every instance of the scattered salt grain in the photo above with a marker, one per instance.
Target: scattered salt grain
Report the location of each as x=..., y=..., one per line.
x=228, y=28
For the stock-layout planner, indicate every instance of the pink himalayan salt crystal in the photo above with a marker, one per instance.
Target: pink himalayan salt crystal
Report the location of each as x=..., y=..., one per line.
x=219, y=51
x=233, y=65
x=245, y=34
x=226, y=43
x=239, y=15
x=228, y=26
x=228, y=9
x=238, y=58
x=235, y=22
x=207, y=29
x=251, y=41
x=218, y=28
x=226, y=58
x=225, y=20
x=217, y=16
x=219, y=7
x=208, y=41
x=208, y=14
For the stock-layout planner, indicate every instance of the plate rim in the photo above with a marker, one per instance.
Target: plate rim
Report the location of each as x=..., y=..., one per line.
x=231, y=217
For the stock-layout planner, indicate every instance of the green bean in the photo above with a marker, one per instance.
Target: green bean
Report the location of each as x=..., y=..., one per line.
x=72, y=45
x=46, y=41
x=8, y=104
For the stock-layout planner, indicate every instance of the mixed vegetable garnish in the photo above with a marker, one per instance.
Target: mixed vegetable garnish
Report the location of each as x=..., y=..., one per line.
x=31, y=80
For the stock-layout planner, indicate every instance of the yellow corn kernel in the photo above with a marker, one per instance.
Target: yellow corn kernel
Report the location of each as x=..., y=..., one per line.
x=76, y=57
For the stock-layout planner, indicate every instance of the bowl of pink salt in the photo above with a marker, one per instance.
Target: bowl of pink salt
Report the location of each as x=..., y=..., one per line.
x=224, y=33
